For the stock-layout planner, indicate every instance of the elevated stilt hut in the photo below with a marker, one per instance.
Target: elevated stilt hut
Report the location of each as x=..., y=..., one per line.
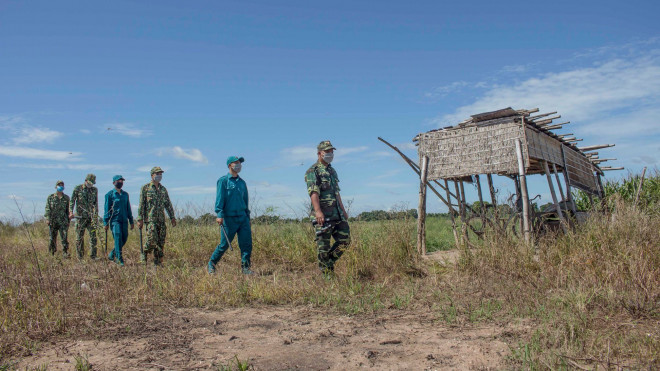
x=510, y=143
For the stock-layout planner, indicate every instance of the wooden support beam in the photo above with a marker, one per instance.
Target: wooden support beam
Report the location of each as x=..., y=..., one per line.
x=598, y=161
x=595, y=147
x=611, y=168
x=523, y=190
x=569, y=193
x=564, y=135
x=453, y=218
x=421, y=209
x=547, y=126
x=561, y=190
x=465, y=219
x=554, y=127
x=547, y=121
x=481, y=204
x=554, y=196
x=573, y=140
x=532, y=118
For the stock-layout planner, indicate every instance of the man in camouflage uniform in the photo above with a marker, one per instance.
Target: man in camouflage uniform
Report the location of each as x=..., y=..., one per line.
x=85, y=202
x=154, y=201
x=57, y=218
x=328, y=209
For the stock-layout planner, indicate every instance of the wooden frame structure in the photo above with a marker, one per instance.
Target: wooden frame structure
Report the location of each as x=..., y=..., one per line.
x=507, y=142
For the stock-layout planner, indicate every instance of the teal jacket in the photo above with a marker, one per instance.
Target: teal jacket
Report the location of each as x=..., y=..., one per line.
x=231, y=197
x=117, y=208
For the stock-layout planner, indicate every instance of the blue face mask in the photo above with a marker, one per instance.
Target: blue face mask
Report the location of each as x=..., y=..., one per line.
x=60, y=188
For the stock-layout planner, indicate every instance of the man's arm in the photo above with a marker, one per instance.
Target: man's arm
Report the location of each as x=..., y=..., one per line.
x=169, y=208
x=72, y=202
x=220, y=199
x=316, y=203
x=246, y=199
x=106, y=214
x=47, y=211
x=341, y=205
x=129, y=212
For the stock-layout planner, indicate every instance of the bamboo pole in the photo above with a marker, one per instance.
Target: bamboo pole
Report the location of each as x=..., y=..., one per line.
x=481, y=203
x=451, y=214
x=569, y=193
x=465, y=219
x=421, y=209
x=554, y=196
x=561, y=190
x=523, y=190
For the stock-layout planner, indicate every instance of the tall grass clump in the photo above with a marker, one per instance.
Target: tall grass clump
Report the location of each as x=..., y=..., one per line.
x=593, y=292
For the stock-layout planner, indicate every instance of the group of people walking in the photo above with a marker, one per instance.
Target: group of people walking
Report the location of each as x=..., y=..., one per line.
x=231, y=208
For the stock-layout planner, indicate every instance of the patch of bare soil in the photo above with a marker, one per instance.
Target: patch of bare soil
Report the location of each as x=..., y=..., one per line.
x=285, y=338
x=445, y=257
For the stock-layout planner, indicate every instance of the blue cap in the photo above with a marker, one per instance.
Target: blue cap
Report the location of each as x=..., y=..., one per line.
x=231, y=159
x=117, y=177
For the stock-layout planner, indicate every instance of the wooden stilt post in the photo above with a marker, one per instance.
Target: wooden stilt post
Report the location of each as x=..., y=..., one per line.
x=562, y=221
x=464, y=216
x=421, y=209
x=460, y=209
x=451, y=214
x=569, y=193
x=493, y=200
x=523, y=191
x=481, y=204
x=561, y=190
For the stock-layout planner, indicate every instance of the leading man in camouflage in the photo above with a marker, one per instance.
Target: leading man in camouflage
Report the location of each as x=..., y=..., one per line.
x=85, y=203
x=57, y=218
x=154, y=201
x=328, y=208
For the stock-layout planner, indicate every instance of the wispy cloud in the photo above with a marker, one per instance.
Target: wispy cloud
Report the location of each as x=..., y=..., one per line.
x=193, y=190
x=29, y=135
x=85, y=167
x=39, y=154
x=129, y=130
x=192, y=154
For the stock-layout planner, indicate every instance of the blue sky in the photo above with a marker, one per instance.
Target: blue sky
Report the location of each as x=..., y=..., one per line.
x=120, y=87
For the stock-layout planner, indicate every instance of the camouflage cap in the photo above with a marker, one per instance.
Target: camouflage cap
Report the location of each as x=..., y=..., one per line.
x=324, y=146
x=59, y=182
x=91, y=178
x=156, y=170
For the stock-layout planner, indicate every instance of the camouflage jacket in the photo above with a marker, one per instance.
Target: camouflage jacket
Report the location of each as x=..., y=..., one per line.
x=57, y=210
x=84, y=201
x=154, y=201
x=324, y=181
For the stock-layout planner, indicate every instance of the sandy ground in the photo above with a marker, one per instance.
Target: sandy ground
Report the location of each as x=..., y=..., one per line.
x=285, y=338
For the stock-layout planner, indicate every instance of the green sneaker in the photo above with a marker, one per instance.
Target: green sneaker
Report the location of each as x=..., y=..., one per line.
x=247, y=271
x=210, y=268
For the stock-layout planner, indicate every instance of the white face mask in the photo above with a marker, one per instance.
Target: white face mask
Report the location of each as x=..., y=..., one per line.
x=158, y=178
x=328, y=156
x=237, y=167
x=88, y=184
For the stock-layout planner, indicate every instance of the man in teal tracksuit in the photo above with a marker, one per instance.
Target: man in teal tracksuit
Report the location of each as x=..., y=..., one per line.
x=117, y=215
x=233, y=215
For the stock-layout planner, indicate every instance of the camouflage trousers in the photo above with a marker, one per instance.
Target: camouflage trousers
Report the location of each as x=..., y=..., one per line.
x=156, y=233
x=81, y=226
x=329, y=254
x=63, y=229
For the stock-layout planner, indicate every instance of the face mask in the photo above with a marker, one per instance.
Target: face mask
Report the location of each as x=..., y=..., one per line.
x=158, y=178
x=237, y=167
x=118, y=185
x=60, y=188
x=88, y=184
x=328, y=157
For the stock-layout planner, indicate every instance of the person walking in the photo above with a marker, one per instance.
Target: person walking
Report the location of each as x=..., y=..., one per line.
x=85, y=203
x=233, y=215
x=328, y=209
x=117, y=215
x=154, y=201
x=57, y=219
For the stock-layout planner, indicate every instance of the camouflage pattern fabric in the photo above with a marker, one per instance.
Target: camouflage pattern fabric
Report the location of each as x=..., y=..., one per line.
x=85, y=203
x=323, y=180
x=57, y=214
x=154, y=201
x=328, y=255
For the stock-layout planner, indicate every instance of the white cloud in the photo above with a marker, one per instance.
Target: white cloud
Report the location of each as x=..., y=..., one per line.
x=90, y=167
x=39, y=154
x=129, y=130
x=85, y=131
x=299, y=154
x=29, y=134
x=193, y=154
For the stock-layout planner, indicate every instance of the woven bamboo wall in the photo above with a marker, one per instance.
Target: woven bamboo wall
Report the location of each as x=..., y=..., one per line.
x=469, y=150
x=543, y=147
x=580, y=171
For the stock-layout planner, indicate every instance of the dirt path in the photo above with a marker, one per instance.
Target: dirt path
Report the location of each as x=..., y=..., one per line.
x=283, y=338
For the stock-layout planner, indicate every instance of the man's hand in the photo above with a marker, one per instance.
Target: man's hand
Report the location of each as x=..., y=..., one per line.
x=219, y=221
x=173, y=222
x=132, y=226
x=320, y=219
x=106, y=227
x=139, y=224
x=70, y=216
x=47, y=222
